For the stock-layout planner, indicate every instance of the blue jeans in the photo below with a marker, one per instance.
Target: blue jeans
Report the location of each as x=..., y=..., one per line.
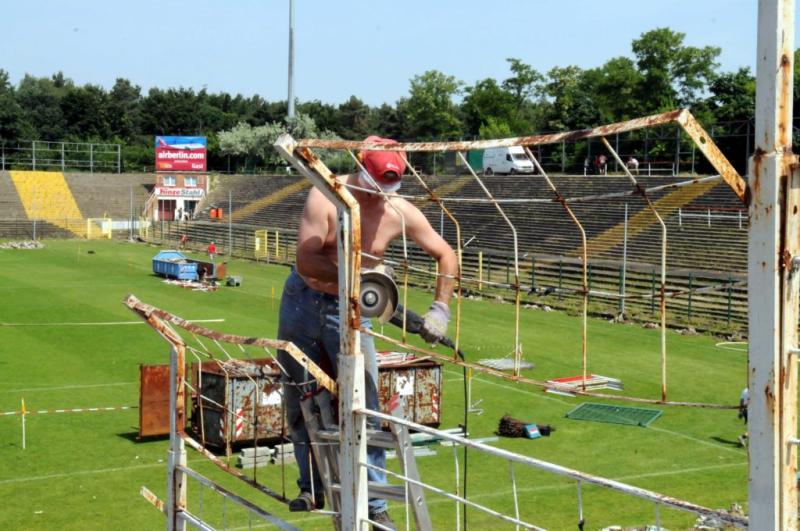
x=310, y=320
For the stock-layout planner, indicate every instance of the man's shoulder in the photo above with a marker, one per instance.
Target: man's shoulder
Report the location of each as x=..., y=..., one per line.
x=404, y=205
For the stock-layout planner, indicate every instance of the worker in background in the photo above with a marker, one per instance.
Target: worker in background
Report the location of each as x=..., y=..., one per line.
x=212, y=250
x=309, y=312
x=184, y=239
x=633, y=165
x=744, y=401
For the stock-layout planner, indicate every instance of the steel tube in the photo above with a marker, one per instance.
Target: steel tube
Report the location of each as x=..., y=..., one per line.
x=564, y=471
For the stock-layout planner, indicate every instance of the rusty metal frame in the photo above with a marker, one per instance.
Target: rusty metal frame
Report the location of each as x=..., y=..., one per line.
x=516, y=285
x=584, y=256
x=175, y=506
x=681, y=116
x=657, y=498
x=773, y=271
x=353, y=440
x=299, y=154
x=663, y=290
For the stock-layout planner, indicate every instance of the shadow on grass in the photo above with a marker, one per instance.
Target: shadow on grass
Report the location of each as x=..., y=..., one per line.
x=133, y=436
x=729, y=442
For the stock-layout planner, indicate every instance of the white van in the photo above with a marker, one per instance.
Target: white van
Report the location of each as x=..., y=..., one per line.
x=510, y=159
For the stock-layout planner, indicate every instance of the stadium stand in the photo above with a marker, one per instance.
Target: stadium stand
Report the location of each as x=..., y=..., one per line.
x=46, y=196
x=275, y=202
x=109, y=194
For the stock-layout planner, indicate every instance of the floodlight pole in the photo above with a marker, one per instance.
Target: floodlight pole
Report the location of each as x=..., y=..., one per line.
x=290, y=97
x=773, y=273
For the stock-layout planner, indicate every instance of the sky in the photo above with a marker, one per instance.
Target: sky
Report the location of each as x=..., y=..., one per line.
x=367, y=48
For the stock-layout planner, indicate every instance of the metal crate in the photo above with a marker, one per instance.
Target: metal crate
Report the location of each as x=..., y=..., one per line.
x=233, y=411
x=417, y=381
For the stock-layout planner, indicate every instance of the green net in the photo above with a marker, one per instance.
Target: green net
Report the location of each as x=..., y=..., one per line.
x=633, y=416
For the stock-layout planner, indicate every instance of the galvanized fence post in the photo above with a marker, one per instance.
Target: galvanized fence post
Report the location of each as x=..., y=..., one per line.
x=730, y=293
x=533, y=274
x=689, y=304
x=560, y=276
x=589, y=294
x=653, y=292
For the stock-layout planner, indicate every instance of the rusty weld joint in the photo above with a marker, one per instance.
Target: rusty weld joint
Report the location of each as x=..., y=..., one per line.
x=306, y=154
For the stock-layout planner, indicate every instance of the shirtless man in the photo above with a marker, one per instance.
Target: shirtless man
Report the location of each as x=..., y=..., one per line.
x=309, y=314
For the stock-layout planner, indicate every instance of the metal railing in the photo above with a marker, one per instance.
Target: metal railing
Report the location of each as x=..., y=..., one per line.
x=44, y=155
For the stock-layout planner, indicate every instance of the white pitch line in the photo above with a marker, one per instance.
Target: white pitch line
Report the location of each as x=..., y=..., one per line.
x=106, y=323
x=662, y=430
x=79, y=473
x=64, y=387
x=541, y=395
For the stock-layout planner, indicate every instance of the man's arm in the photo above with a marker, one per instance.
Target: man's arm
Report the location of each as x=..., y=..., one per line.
x=312, y=262
x=419, y=229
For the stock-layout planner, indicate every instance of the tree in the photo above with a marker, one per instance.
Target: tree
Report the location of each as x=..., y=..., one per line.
x=387, y=122
x=570, y=100
x=124, y=109
x=255, y=144
x=85, y=112
x=526, y=83
x=733, y=96
x=354, y=119
x=486, y=100
x=495, y=128
x=674, y=75
x=326, y=116
x=40, y=99
x=11, y=125
x=615, y=87
x=429, y=111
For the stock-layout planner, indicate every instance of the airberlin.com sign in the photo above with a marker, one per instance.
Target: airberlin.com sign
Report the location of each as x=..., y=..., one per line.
x=180, y=153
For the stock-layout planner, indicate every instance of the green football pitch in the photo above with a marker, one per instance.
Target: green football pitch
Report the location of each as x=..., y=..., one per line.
x=67, y=341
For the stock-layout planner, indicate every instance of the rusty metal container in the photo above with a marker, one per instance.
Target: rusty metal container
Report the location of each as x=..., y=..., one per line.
x=417, y=381
x=243, y=402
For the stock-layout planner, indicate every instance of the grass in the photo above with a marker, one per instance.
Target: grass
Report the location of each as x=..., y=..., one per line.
x=83, y=471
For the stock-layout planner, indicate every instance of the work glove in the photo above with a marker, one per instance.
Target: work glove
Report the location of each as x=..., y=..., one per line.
x=435, y=320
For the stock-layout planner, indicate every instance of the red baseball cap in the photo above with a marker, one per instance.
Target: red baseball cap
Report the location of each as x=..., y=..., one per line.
x=377, y=163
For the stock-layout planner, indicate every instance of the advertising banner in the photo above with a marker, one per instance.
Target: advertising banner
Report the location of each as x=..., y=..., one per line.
x=180, y=153
x=162, y=192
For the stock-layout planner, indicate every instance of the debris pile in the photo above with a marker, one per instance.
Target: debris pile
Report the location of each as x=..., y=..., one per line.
x=26, y=244
x=193, y=284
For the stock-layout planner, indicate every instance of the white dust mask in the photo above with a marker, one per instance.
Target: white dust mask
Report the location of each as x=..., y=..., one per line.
x=365, y=182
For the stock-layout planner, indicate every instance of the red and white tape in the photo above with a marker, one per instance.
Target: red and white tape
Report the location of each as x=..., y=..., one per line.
x=74, y=410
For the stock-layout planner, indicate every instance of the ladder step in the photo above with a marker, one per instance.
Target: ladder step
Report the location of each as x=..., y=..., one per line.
x=377, y=490
x=376, y=438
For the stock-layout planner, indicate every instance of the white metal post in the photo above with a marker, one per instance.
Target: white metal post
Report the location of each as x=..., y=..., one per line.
x=176, y=455
x=353, y=440
x=772, y=293
x=624, y=260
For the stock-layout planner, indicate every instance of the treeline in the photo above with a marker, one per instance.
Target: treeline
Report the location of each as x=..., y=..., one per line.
x=663, y=74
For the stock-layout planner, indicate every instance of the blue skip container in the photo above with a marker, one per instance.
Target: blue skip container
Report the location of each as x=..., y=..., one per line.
x=173, y=264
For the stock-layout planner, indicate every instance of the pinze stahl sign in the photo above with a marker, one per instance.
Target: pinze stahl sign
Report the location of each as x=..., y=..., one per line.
x=180, y=153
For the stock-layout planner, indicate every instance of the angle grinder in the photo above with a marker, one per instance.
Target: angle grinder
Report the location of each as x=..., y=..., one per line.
x=378, y=297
